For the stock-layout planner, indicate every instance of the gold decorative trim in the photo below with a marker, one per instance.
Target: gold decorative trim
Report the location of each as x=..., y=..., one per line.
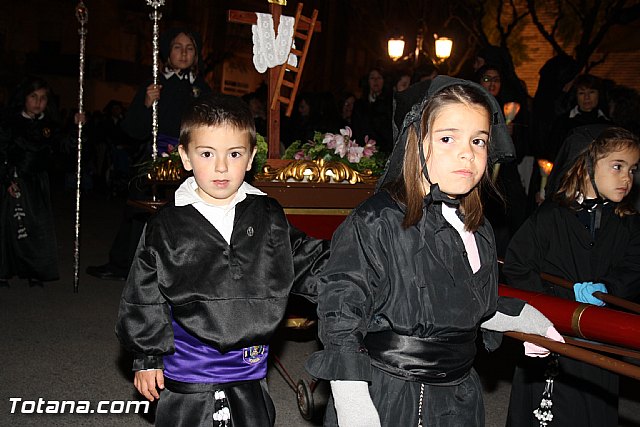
x=575, y=319
x=317, y=211
x=167, y=171
x=317, y=171
x=280, y=2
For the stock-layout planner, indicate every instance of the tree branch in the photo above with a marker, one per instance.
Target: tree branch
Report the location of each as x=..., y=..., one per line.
x=536, y=20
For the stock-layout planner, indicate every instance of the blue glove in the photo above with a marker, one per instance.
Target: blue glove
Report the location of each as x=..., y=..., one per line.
x=584, y=292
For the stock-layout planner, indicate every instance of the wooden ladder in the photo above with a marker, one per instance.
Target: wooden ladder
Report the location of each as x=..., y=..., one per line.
x=291, y=86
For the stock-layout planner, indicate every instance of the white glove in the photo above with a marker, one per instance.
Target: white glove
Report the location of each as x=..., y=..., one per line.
x=354, y=405
x=529, y=321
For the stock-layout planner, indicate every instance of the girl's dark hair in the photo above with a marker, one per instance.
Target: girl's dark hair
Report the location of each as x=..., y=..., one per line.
x=217, y=110
x=572, y=184
x=408, y=188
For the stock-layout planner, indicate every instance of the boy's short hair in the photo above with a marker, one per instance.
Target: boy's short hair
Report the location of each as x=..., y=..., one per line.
x=217, y=110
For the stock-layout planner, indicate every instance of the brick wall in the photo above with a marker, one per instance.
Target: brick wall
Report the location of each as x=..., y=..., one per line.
x=621, y=67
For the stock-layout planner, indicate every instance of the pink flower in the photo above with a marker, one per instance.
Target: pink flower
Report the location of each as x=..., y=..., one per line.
x=354, y=152
x=299, y=155
x=369, y=146
x=346, y=132
x=329, y=140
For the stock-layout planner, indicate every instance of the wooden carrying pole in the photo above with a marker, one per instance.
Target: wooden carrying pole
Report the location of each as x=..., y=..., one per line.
x=580, y=354
x=609, y=299
x=583, y=320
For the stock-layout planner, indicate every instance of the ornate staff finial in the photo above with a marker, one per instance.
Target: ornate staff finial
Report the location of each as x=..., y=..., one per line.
x=155, y=16
x=83, y=17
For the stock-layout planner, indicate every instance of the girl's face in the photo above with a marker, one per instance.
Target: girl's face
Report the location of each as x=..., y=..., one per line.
x=403, y=83
x=587, y=98
x=614, y=174
x=376, y=81
x=457, y=147
x=491, y=81
x=304, y=109
x=36, y=102
x=183, y=52
x=347, y=107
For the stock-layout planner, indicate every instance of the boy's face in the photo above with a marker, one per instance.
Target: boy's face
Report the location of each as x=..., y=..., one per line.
x=456, y=148
x=219, y=157
x=614, y=174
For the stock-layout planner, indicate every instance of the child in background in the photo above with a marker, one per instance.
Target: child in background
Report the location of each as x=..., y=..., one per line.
x=211, y=278
x=588, y=233
x=179, y=84
x=413, y=272
x=28, y=137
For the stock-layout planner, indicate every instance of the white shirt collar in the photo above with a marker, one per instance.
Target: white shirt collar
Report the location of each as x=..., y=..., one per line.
x=186, y=194
x=168, y=72
x=575, y=111
x=26, y=116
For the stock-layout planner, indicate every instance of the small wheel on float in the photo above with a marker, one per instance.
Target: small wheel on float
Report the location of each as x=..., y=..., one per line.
x=305, y=400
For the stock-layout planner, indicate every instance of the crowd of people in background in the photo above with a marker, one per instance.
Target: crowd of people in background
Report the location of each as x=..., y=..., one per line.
x=565, y=99
x=37, y=141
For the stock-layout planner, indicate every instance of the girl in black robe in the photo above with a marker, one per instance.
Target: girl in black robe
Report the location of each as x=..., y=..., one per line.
x=413, y=272
x=587, y=233
x=27, y=138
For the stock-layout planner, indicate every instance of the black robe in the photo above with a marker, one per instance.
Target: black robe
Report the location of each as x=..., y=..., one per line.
x=28, y=247
x=228, y=296
x=415, y=282
x=558, y=241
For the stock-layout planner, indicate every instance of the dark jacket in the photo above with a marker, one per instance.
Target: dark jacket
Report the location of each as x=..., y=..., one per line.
x=176, y=95
x=554, y=240
x=414, y=282
x=227, y=296
x=558, y=241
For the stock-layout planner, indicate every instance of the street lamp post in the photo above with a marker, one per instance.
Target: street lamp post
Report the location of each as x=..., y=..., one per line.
x=443, y=48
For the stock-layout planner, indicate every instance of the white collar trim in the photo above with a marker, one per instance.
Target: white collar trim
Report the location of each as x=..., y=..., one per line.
x=186, y=194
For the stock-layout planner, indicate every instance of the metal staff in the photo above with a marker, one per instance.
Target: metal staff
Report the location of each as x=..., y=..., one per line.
x=83, y=16
x=155, y=17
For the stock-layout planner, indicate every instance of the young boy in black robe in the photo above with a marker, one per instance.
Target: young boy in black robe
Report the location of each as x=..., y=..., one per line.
x=211, y=278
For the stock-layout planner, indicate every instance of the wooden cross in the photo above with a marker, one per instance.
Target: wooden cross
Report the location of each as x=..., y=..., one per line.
x=273, y=115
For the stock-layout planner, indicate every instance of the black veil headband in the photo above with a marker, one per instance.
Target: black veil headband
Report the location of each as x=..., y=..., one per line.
x=408, y=106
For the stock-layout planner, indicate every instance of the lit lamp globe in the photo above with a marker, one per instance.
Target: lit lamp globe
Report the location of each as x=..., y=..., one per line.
x=395, y=47
x=443, y=47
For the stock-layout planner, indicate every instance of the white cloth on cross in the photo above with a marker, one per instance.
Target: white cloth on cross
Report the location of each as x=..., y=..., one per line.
x=270, y=50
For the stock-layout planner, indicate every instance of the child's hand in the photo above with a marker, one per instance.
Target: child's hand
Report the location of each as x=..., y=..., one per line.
x=153, y=94
x=534, y=350
x=145, y=382
x=584, y=292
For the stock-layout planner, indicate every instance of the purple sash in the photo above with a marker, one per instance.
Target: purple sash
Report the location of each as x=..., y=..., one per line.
x=196, y=362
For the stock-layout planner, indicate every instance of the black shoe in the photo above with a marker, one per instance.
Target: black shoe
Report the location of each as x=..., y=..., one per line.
x=36, y=282
x=105, y=272
x=4, y=283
